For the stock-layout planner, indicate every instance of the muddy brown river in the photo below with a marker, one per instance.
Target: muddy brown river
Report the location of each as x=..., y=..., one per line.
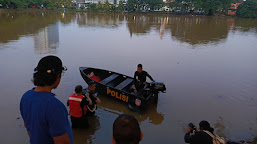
x=209, y=66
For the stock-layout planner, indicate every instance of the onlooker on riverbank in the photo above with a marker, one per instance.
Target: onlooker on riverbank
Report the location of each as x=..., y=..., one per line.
x=77, y=103
x=200, y=137
x=126, y=130
x=45, y=117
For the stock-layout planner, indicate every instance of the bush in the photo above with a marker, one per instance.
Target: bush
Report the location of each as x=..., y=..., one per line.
x=50, y=6
x=247, y=10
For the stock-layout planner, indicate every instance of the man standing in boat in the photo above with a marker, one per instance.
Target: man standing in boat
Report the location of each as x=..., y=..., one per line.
x=140, y=77
x=91, y=97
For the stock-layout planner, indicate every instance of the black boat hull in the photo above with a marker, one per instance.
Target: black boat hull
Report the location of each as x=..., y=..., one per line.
x=116, y=90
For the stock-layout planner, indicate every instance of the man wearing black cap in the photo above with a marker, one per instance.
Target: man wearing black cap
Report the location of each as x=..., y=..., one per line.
x=200, y=137
x=45, y=117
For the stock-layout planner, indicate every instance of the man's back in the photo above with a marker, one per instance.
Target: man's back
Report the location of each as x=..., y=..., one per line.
x=45, y=116
x=199, y=137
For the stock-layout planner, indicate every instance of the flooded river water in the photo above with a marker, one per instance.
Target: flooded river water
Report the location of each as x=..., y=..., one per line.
x=209, y=66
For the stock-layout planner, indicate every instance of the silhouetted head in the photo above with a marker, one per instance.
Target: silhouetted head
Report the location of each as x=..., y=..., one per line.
x=204, y=125
x=48, y=71
x=91, y=86
x=139, y=68
x=126, y=130
x=78, y=89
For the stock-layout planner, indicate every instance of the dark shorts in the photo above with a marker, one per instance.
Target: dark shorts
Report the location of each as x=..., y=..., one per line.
x=89, y=113
x=139, y=86
x=81, y=122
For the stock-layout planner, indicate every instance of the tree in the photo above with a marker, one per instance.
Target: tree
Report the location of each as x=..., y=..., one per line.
x=121, y=6
x=113, y=8
x=91, y=7
x=106, y=5
x=248, y=9
x=132, y=5
x=211, y=6
x=226, y=4
x=100, y=6
x=154, y=4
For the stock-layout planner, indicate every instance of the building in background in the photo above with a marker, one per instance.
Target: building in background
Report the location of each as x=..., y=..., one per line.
x=233, y=8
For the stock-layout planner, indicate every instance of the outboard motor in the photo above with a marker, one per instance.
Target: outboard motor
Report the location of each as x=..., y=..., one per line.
x=158, y=86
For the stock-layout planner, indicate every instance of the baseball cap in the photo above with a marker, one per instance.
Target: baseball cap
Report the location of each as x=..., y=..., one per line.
x=50, y=64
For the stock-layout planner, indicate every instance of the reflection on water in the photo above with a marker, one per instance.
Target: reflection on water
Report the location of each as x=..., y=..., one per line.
x=190, y=29
x=47, y=40
x=99, y=20
x=86, y=136
x=43, y=25
x=16, y=24
x=116, y=107
x=219, y=127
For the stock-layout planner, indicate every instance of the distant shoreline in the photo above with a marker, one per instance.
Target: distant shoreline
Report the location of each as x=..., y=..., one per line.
x=124, y=12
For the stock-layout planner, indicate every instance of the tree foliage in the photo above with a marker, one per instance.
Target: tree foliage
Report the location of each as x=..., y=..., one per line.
x=248, y=9
x=36, y=3
x=143, y=5
x=100, y=6
x=121, y=6
x=106, y=5
x=210, y=7
x=132, y=5
x=92, y=7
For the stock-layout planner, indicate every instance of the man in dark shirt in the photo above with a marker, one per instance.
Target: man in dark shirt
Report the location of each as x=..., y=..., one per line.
x=199, y=137
x=91, y=97
x=140, y=77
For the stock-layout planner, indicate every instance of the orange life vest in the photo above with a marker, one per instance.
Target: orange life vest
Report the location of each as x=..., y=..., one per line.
x=74, y=103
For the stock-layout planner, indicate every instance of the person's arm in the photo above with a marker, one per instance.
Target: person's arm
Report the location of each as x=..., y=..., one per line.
x=67, y=103
x=89, y=99
x=98, y=101
x=135, y=77
x=149, y=76
x=27, y=129
x=84, y=102
x=63, y=139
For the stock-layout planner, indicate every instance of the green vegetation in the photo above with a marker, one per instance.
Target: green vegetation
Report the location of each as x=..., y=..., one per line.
x=248, y=9
x=143, y=5
x=105, y=7
x=209, y=7
x=50, y=4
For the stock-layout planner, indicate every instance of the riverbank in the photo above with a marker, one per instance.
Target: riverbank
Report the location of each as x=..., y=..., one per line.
x=254, y=141
x=67, y=10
